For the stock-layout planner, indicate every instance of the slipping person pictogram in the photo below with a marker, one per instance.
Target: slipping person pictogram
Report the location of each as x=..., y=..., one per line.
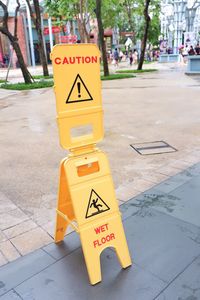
x=97, y=206
x=94, y=203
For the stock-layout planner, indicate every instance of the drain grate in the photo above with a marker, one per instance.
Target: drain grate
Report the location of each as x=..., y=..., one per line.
x=150, y=148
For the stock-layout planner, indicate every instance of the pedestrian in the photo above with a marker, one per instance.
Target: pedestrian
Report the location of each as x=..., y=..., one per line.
x=135, y=57
x=131, y=57
x=116, y=57
x=121, y=55
x=197, y=49
x=185, y=53
x=191, y=51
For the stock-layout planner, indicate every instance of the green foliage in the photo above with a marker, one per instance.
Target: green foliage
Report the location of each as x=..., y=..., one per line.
x=136, y=71
x=117, y=76
x=127, y=15
x=42, y=77
x=23, y=86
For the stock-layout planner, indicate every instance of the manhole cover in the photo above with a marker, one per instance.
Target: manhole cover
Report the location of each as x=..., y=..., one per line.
x=149, y=148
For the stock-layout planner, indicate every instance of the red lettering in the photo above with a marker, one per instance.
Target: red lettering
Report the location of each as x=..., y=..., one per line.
x=95, y=243
x=101, y=228
x=57, y=60
x=72, y=60
x=87, y=59
x=97, y=230
x=112, y=236
x=104, y=240
x=94, y=59
x=65, y=61
x=78, y=58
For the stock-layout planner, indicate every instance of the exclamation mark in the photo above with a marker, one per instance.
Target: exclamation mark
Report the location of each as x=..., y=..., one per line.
x=79, y=89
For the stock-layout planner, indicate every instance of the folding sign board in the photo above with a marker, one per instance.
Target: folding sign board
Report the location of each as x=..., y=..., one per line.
x=86, y=192
x=87, y=196
x=77, y=87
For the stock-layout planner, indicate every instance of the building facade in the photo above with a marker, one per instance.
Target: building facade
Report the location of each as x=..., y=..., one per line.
x=180, y=21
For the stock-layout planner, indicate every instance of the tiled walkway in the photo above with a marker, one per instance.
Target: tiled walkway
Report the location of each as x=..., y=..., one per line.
x=163, y=230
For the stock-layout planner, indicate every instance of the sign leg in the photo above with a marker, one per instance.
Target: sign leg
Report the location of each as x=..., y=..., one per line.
x=64, y=205
x=92, y=260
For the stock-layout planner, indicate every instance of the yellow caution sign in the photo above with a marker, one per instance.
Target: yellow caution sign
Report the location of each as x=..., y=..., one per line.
x=86, y=198
x=78, y=92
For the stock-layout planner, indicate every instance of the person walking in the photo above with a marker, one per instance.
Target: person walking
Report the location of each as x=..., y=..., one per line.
x=131, y=57
x=116, y=57
x=135, y=57
x=197, y=49
x=191, y=51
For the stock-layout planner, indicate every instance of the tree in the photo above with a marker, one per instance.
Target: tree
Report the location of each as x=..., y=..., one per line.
x=72, y=9
x=101, y=37
x=14, y=39
x=145, y=34
x=37, y=22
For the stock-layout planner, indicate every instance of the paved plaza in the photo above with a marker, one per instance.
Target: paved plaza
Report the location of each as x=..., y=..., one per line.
x=161, y=220
x=163, y=231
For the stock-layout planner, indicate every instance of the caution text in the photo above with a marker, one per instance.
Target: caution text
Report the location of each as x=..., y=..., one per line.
x=75, y=60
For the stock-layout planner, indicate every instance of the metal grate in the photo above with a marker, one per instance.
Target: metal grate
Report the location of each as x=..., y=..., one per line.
x=150, y=148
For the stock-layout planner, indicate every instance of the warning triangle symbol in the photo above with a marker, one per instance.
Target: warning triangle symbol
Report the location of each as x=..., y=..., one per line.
x=96, y=205
x=79, y=92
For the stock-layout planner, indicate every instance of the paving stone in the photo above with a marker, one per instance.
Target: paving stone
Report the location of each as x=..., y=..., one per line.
x=11, y=218
x=188, y=207
x=50, y=228
x=19, y=229
x=2, y=237
x=68, y=279
x=180, y=164
x=186, y=286
x=195, y=169
x=161, y=244
x=31, y=240
x=6, y=204
x=168, y=170
x=43, y=215
x=12, y=295
x=154, y=176
x=174, y=182
x=21, y=269
x=129, y=208
x=71, y=242
x=141, y=184
x=9, y=251
x=183, y=203
x=126, y=192
x=3, y=260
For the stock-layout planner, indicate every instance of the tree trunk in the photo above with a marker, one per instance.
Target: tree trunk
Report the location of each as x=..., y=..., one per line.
x=101, y=38
x=145, y=36
x=25, y=72
x=40, y=38
x=37, y=22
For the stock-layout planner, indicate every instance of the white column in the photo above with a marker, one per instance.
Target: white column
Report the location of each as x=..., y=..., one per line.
x=30, y=35
x=50, y=33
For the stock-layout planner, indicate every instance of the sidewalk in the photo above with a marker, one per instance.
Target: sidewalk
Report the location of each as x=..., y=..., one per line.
x=163, y=230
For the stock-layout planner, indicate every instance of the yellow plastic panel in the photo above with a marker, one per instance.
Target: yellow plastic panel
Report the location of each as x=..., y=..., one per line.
x=77, y=87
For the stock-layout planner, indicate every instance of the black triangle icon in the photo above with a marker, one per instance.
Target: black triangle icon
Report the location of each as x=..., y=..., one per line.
x=79, y=92
x=96, y=205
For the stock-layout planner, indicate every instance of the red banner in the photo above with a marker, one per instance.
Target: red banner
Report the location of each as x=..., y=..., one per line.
x=68, y=39
x=55, y=29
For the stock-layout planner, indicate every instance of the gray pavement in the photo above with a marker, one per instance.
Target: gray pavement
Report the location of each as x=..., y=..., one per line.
x=162, y=105
x=162, y=226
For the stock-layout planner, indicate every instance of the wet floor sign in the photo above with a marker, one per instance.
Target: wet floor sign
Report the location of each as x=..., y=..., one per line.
x=86, y=198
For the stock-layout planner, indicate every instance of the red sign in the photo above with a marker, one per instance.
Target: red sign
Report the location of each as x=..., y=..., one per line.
x=68, y=39
x=55, y=29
